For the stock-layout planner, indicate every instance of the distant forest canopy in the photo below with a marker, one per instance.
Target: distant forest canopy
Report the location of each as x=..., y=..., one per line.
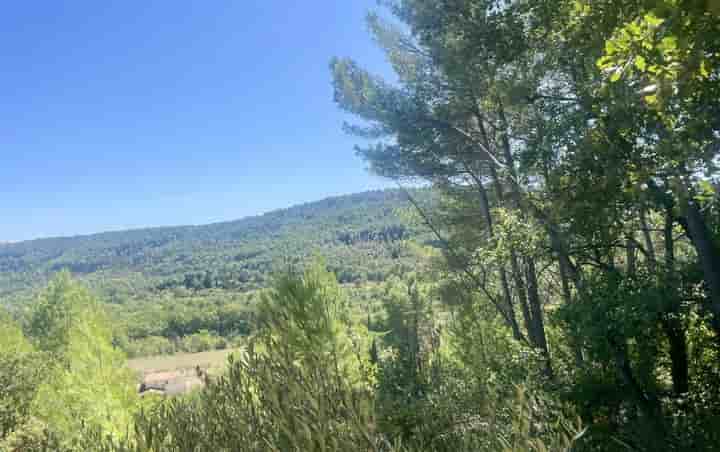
x=358, y=234
x=195, y=288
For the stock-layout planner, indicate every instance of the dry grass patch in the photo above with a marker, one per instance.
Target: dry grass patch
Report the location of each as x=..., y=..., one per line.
x=181, y=363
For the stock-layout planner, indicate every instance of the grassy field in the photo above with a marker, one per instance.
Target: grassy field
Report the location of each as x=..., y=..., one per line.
x=212, y=360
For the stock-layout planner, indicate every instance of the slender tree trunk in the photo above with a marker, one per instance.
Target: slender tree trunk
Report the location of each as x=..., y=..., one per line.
x=529, y=298
x=708, y=255
x=538, y=323
x=649, y=246
x=505, y=286
x=476, y=282
x=508, y=301
x=678, y=353
x=515, y=268
x=693, y=223
x=575, y=344
x=504, y=282
x=671, y=322
x=649, y=404
x=521, y=290
x=631, y=259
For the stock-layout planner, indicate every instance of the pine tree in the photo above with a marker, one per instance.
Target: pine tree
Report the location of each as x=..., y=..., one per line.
x=89, y=385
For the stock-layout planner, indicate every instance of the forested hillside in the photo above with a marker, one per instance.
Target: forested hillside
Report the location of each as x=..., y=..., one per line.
x=358, y=234
x=194, y=288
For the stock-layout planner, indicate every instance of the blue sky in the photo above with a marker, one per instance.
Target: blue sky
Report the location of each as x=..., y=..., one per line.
x=126, y=114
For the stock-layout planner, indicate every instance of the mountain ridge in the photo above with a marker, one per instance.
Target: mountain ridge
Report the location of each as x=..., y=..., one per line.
x=244, y=251
x=199, y=225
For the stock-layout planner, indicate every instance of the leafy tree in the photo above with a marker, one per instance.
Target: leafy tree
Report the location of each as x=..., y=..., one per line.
x=564, y=190
x=21, y=372
x=59, y=306
x=88, y=384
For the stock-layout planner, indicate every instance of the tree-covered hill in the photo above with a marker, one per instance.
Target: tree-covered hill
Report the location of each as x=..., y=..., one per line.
x=359, y=234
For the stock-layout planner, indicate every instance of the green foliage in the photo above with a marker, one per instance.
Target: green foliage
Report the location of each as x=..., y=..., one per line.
x=574, y=144
x=12, y=340
x=572, y=149
x=311, y=314
x=306, y=383
x=165, y=285
x=93, y=388
x=76, y=380
x=666, y=47
x=237, y=255
x=21, y=372
x=303, y=384
x=183, y=322
x=458, y=383
x=408, y=362
x=57, y=310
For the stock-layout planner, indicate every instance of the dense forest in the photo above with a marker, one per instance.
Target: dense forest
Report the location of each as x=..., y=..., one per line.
x=235, y=255
x=190, y=289
x=556, y=288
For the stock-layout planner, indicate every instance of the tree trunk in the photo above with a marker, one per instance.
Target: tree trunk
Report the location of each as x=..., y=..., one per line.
x=515, y=269
x=521, y=290
x=649, y=404
x=649, y=246
x=537, y=324
x=575, y=344
x=631, y=257
x=678, y=353
x=485, y=207
x=671, y=323
x=529, y=298
x=708, y=255
x=693, y=223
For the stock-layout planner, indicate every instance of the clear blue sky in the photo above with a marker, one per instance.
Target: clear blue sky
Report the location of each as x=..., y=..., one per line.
x=125, y=114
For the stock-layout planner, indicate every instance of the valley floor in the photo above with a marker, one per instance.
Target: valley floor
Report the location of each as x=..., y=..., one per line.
x=177, y=374
x=180, y=362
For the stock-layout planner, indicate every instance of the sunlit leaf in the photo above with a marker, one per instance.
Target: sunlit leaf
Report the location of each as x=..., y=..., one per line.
x=640, y=63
